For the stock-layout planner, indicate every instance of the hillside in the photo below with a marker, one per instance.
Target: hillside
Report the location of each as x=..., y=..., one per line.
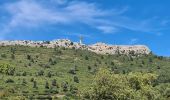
x=59, y=72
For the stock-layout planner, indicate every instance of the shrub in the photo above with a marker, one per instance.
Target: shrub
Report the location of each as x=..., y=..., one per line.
x=29, y=64
x=41, y=73
x=65, y=86
x=29, y=57
x=49, y=74
x=9, y=81
x=32, y=60
x=32, y=80
x=86, y=57
x=7, y=69
x=73, y=89
x=35, y=84
x=110, y=86
x=53, y=90
x=112, y=63
x=47, y=85
x=50, y=60
x=24, y=82
x=71, y=43
x=72, y=71
x=76, y=79
x=3, y=55
x=12, y=56
x=54, y=83
x=46, y=66
x=167, y=93
x=76, y=68
x=24, y=73
x=89, y=68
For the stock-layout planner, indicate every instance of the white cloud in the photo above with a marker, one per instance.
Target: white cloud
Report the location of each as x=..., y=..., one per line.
x=133, y=41
x=107, y=29
x=32, y=13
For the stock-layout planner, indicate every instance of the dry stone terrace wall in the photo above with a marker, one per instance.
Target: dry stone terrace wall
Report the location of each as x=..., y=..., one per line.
x=99, y=48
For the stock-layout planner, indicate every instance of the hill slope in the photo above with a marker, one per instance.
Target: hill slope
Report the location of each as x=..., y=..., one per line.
x=40, y=72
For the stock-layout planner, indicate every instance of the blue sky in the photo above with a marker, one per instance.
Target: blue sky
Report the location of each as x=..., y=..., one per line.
x=111, y=21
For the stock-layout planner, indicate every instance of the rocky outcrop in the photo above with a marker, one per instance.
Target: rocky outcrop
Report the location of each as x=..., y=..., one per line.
x=102, y=48
x=99, y=48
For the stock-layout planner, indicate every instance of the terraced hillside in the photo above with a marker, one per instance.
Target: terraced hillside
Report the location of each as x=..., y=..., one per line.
x=62, y=73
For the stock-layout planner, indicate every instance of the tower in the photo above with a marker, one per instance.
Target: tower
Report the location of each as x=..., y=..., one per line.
x=81, y=39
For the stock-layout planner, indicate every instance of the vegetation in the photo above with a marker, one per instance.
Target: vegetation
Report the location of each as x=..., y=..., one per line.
x=110, y=86
x=61, y=73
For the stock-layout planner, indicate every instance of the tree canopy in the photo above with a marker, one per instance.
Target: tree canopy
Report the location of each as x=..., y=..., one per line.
x=132, y=86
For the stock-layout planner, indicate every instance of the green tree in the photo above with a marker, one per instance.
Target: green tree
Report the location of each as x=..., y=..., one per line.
x=110, y=86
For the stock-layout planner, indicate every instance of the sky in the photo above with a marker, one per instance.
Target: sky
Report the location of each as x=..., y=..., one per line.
x=119, y=22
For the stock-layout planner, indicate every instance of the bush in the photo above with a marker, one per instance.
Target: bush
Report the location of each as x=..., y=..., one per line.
x=29, y=57
x=49, y=74
x=46, y=66
x=3, y=55
x=24, y=82
x=32, y=80
x=65, y=86
x=76, y=68
x=7, y=69
x=24, y=73
x=112, y=63
x=86, y=57
x=47, y=85
x=89, y=68
x=32, y=60
x=29, y=64
x=35, y=84
x=167, y=93
x=54, y=83
x=72, y=71
x=73, y=89
x=41, y=73
x=110, y=86
x=52, y=62
x=12, y=56
x=76, y=79
x=53, y=90
x=9, y=81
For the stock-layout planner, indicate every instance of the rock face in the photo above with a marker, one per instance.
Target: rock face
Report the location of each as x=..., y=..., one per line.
x=99, y=48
